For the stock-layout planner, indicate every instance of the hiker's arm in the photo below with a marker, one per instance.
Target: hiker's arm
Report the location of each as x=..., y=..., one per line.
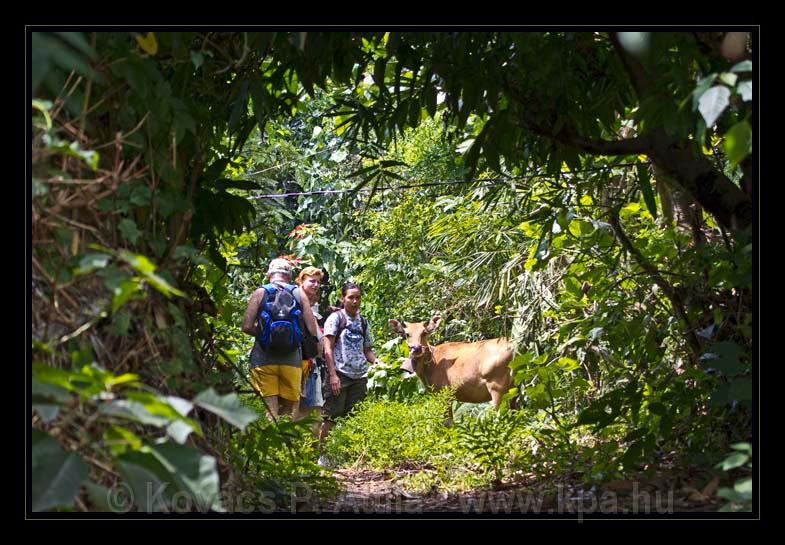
x=251, y=313
x=369, y=355
x=310, y=321
x=368, y=345
x=329, y=344
x=335, y=382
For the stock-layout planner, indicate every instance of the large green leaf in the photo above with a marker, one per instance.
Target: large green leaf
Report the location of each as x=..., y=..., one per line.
x=47, y=399
x=46, y=411
x=87, y=382
x=741, y=389
x=135, y=411
x=149, y=408
x=57, y=475
x=139, y=262
x=743, y=66
x=129, y=230
x=151, y=485
x=738, y=142
x=195, y=472
x=120, y=439
x=713, y=102
x=168, y=472
x=744, y=88
x=99, y=497
x=736, y=459
x=227, y=407
x=162, y=285
x=49, y=50
x=724, y=356
x=91, y=262
x=179, y=431
x=77, y=40
x=124, y=292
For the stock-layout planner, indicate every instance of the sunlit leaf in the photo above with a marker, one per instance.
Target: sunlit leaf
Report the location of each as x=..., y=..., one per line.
x=148, y=43
x=124, y=292
x=713, y=102
x=744, y=88
x=227, y=407
x=91, y=262
x=738, y=142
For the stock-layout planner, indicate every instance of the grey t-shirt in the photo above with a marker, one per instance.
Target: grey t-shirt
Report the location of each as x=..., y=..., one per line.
x=348, y=352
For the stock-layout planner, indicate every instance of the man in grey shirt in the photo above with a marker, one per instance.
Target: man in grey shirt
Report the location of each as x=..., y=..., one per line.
x=347, y=352
x=277, y=377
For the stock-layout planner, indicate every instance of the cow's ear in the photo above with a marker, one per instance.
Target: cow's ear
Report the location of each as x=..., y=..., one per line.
x=396, y=326
x=433, y=324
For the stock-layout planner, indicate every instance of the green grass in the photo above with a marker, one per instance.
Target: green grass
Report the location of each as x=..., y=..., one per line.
x=482, y=447
x=383, y=434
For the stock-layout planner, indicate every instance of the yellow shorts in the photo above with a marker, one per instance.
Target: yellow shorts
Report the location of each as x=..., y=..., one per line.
x=277, y=380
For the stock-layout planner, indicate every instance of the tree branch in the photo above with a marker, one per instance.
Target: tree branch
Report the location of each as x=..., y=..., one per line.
x=630, y=146
x=638, y=75
x=567, y=135
x=709, y=187
x=669, y=291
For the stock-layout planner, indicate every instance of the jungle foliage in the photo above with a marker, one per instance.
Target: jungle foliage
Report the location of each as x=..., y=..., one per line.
x=587, y=194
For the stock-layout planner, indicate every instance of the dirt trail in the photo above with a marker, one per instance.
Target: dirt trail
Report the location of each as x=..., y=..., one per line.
x=382, y=492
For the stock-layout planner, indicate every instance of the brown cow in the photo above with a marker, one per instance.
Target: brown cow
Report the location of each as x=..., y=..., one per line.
x=478, y=371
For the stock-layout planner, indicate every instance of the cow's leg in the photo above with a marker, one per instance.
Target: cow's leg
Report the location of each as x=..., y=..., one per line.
x=497, y=389
x=496, y=395
x=498, y=386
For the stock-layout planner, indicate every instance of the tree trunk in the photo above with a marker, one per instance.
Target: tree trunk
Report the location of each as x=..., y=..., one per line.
x=711, y=189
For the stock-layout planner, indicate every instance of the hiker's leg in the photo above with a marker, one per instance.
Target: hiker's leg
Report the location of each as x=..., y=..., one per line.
x=290, y=377
x=264, y=380
x=290, y=407
x=302, y=412
x=324, y=431
x=356, y=390
x=272, y=406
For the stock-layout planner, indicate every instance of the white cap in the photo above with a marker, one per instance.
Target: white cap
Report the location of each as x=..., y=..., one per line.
x=281, y=266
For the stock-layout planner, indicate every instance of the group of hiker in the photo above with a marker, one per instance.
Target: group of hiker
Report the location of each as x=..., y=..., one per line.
x=302, y=362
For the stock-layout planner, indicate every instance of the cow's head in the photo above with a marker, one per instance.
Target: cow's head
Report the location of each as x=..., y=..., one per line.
x=416, y=335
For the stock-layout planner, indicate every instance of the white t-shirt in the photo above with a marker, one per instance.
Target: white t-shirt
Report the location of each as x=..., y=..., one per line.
x=348, y=352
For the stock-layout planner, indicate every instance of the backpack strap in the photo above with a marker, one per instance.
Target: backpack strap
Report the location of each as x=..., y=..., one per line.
x=341, y=324
x=272, y=289
x=269, y=291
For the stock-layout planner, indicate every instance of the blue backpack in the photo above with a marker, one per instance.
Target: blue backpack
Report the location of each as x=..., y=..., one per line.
x=278, y=320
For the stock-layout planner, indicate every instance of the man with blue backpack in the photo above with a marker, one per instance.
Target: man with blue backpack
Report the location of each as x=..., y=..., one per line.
x=273, y=317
